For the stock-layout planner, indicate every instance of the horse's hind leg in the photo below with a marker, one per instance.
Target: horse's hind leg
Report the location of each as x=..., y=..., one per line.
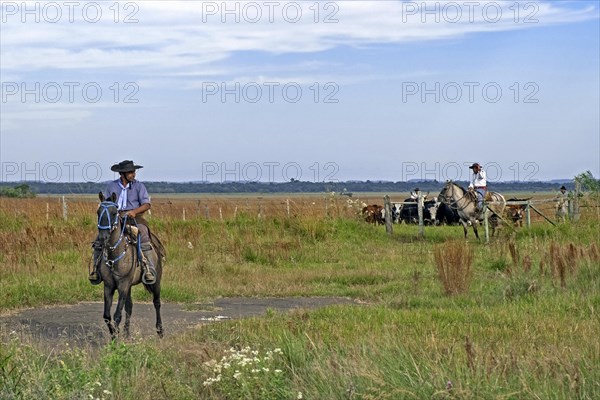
x=156, y=301
x=108, y=299
x=128, y=311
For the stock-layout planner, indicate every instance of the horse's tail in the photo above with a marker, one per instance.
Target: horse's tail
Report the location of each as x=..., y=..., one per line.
x=158, y=246
x=499, y=202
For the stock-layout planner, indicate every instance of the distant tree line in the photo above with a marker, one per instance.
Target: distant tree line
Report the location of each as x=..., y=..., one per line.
x=29, y=189
x=19, y=191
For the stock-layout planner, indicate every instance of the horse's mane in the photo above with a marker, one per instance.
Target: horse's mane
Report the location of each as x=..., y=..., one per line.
x=457, y=185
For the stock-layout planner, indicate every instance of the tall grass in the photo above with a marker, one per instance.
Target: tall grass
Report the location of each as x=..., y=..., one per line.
x=454, y=261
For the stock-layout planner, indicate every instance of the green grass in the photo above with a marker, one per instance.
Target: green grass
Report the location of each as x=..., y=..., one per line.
x=517, y=332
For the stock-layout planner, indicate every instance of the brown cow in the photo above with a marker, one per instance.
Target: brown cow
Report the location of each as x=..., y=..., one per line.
x=515, y=212
x=374, y=214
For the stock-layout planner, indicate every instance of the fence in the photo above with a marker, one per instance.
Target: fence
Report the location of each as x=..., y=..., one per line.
x=574, y=211
x=227, y=207
x=188, y=208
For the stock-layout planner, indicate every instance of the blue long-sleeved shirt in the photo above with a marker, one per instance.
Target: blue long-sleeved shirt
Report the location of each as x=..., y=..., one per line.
x=136, y=195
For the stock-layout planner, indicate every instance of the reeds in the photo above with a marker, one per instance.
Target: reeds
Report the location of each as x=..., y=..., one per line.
x=454, y=261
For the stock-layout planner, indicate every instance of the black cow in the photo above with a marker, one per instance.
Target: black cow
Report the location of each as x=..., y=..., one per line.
x=446, y=215
x=410, y=212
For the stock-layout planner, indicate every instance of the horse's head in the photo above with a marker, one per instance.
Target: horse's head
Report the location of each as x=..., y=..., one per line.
x=108, y=216
x=445, y=195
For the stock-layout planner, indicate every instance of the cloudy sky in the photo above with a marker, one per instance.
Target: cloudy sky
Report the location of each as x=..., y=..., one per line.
x=274, y=90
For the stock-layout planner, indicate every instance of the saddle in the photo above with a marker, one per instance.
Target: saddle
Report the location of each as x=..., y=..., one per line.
x=133, y=233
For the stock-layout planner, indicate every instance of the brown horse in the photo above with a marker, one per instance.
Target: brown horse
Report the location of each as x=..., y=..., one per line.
x=119, y=267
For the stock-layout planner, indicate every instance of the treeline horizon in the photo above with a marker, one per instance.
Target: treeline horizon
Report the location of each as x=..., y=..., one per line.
x=284, y=187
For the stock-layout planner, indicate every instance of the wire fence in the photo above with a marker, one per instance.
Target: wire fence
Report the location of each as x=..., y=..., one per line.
x=230, y=207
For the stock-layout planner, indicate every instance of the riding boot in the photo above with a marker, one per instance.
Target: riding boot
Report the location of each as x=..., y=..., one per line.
x=479, y=211
x=149, y=272
x=95, y=277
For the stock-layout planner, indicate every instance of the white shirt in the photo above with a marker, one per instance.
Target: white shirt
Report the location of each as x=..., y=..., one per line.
x=478, y=179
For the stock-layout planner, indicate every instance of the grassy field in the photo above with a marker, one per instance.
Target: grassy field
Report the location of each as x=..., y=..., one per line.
x=514, y=319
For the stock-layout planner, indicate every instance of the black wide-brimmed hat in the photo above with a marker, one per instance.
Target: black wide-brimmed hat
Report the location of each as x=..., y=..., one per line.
x=474, y=165
x=125, y=166
x=563, y=187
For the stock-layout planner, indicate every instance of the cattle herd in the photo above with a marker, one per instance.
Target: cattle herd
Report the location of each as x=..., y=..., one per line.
x=434, y=213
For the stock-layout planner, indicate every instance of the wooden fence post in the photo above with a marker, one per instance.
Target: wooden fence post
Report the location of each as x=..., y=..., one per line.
x=576, y=200
x=47, y=211
x=388, y=215
x=64, y=204
x=420, y=201
x=184, y=214
x=287, y=206
x=528, y=214
x=206, y=211
x=486, y=224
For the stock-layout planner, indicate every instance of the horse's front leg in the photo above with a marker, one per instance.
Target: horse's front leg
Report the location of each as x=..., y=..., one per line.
x=109, y=292
x=124, y=292
x=464, y=224
x=128, y=311
x=474, y=222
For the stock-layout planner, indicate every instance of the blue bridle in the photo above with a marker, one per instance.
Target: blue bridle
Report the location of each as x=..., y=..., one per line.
x=105, y=206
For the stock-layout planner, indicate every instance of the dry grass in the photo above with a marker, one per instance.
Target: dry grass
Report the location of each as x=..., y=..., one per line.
x=454, y=261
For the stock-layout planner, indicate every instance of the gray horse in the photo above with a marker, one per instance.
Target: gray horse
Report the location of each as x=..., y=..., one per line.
x=465, y=201
x=119, y=267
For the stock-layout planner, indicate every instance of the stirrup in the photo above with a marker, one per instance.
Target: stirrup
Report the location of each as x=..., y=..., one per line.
x=147, y=282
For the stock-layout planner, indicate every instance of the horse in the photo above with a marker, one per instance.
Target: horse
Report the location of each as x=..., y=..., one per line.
x=464, y=202
x=120, y=269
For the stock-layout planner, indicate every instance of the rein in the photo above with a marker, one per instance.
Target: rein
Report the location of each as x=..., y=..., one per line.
x=445, y=200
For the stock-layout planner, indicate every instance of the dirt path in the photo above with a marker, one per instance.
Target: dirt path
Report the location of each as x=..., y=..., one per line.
x=83, y=324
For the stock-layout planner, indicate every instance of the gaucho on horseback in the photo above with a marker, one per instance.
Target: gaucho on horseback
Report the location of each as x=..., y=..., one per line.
x=479, y=184
x=133, y=201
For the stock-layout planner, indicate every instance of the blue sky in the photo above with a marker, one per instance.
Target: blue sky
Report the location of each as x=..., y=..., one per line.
x=356, y=119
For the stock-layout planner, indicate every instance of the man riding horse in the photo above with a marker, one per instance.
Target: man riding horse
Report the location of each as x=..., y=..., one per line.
x=133, y=201
x=479, y=184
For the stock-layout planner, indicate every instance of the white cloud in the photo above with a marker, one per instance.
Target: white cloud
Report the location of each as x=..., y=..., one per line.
x=175, y=35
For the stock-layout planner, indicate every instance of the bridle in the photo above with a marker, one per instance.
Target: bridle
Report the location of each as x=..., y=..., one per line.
x=445, y=200
x=111, y=226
